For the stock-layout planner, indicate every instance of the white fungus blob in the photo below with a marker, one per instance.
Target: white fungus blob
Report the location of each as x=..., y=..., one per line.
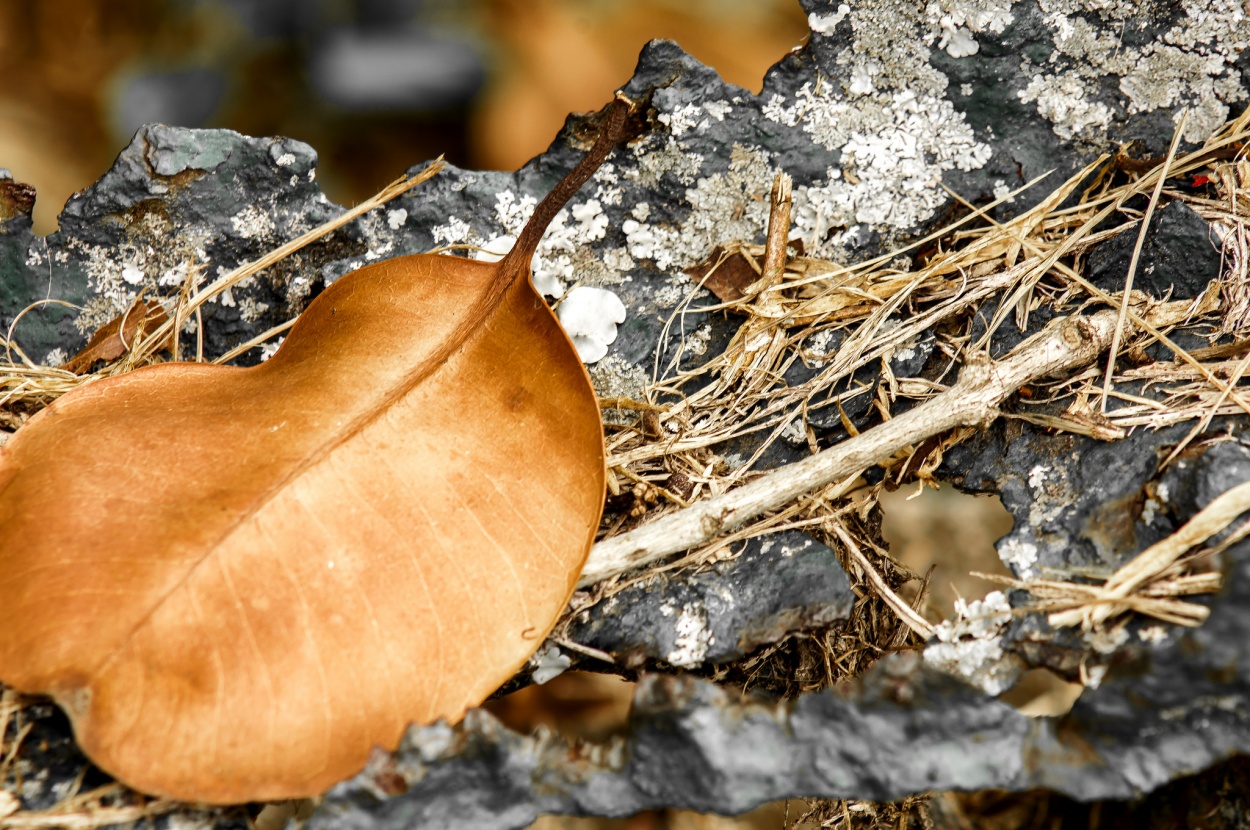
x=131, y=274
x=495, y=249
x=549, y=665
x=958, y=43
x=590, y=317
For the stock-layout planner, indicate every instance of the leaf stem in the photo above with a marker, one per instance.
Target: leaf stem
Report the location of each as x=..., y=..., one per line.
x=613, y=131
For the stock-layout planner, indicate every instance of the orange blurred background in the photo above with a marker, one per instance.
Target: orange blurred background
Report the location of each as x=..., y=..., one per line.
x=374, y=85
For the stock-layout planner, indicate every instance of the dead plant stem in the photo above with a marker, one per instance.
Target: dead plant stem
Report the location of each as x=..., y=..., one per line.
x=1065, y=344
x=1132, y=263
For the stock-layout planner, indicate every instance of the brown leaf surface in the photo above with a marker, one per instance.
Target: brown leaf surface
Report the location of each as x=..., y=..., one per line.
x=725, y=274
x=238, y=581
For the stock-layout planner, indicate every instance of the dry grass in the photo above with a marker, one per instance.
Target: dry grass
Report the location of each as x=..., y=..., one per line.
x=1003, y=270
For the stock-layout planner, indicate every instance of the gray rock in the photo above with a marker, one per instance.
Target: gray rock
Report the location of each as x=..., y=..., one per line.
x=1180, y=256
x=695, y=746
x=778, y=584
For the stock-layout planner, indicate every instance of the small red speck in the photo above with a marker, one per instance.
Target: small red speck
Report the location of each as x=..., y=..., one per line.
x=1200, y=180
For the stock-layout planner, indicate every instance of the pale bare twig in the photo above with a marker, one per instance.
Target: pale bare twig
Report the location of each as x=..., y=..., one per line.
x=1065, y=344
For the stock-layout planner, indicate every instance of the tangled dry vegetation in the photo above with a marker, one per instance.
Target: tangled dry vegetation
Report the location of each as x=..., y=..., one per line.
x=794, y=306
x=665, y=453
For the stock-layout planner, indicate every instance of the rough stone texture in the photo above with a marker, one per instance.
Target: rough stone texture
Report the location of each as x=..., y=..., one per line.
x=886, y=99
x=779, y=583
x=1179, y=256
x=686, y=749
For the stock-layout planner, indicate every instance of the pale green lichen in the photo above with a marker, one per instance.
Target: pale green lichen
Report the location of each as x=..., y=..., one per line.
x=724, y=207
x=894, y=150
x=614, y=377
x=890, y=120
x=563, y=255
x=1189, y=66
x=692, y=637
x=1062, y=100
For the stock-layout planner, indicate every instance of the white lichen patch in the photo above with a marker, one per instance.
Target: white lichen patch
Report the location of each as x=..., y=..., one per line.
x=659, y=155
x=824, y=24
x=1037, y=476
x=693, y=637
x=252, y=223
x=150, y=257
x=724, y=206
x=718, y=109
x=613, y=377
x=1051, y=494
x=959, y=20
x=1191, y=65
x=268, y=350
x=788, y=551
x=607, y=189
x=226, y=297
x=683, y=119
x=696, y=342
x=251, y=309
x=977, y=15
x=495, y=250
x=562, y=255
x=1062, y=99
x=132, y=274
x=1020, y=556
x=818, y=346
x=455, y=231
x=616, y=262
x=794, y=432
x=968, y=645
x=959, y=43
x=590, y=317
x=890, y=120
x=174, y=277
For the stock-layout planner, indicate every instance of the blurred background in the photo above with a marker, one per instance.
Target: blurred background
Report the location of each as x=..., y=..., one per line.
x=374, y=85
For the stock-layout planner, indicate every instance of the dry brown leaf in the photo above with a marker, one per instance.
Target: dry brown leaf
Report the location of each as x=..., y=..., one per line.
x=725, y=274
x=114, y=338
x=238, y=581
